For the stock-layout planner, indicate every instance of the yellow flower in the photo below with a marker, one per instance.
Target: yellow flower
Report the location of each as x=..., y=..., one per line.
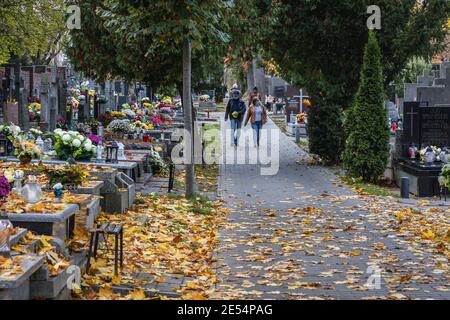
x=91, y=93
x=118, y=114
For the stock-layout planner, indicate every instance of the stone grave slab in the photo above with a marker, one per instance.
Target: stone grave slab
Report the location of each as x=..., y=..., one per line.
x=58, y=224
x=17, y=286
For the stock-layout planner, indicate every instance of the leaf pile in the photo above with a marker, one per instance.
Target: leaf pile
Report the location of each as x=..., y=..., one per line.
x=162, y=237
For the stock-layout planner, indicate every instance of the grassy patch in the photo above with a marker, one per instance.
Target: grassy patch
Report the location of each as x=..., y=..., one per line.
x=364, y=188
x=221, y=107
x=206, y=175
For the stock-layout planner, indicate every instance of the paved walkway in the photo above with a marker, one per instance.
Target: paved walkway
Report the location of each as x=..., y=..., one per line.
x=301, y=234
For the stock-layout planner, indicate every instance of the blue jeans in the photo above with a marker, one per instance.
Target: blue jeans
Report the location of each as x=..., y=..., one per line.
x=235, y=130
x=257, y=127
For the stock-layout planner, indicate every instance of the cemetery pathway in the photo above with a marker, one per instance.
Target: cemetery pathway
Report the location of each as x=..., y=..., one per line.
x=301, y=234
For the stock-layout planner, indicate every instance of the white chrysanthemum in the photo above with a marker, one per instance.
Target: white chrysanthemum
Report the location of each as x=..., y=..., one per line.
x=66, y=137
x=88, y=147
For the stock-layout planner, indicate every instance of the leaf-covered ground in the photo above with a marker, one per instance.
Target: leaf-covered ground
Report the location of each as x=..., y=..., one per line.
x=165, y=237
x=303, y=234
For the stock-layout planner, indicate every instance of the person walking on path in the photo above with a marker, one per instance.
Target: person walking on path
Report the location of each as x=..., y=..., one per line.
x=257, y=115
x=235, y=111
x=254, y=94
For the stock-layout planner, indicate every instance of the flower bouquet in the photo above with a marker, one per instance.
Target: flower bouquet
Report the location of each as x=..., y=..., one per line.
x=204, y=98
x=167, y=100
x=141, y=125
x=72, y=144
x=118, y=115
x=12, y=132
x=83, y=128
x=429, y=154
x=105, y=119
x=95, y=139
x=119, y=127
x=34, y=110
x=66, y=175
x=130, y=114
x=26, y=150
x=159, y=167
x=301, y=118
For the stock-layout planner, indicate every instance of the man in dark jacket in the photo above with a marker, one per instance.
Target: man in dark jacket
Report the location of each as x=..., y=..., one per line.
x=235, y=112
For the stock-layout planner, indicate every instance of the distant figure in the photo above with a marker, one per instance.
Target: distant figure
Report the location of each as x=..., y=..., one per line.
x=235, y=111
x=254, y=94
x=257, y=115
x=269, y=102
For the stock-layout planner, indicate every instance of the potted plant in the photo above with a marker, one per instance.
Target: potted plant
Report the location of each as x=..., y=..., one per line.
x=444, y=178
x=26, y=150
x=68, y=175
x=71, y=144
x=120, y=127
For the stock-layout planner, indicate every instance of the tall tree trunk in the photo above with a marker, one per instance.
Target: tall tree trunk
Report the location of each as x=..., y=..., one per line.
x=250, y=78
x=260, y=79
x=188, y=119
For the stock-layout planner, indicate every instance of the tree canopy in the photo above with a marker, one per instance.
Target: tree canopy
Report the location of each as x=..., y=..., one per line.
x=31, y=28
x=319, y=44
x=142, y=40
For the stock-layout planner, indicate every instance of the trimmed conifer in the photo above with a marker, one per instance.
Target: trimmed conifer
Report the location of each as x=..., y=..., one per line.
x=367, y=145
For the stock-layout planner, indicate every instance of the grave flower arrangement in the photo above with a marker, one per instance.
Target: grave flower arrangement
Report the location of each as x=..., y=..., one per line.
x=430, y=154
x=36, y=133
x=120, y=127
x=5, y=187
x=105, y=119
x=159, y=167
x=26, y=150
x=72, y=104
x=73, y=144
x=148, y=106
x=102, y=99
x=118, y=115
x=93, y=125
x=12, y=132
x=84, y=128
x=95, y=139
x=301, y=118
x=34, y=110
x=444, y=178
x=204, y=98
x=130, y=114
x=61, y=123
x=66, y=175
x=141, y=125
x=167, y=100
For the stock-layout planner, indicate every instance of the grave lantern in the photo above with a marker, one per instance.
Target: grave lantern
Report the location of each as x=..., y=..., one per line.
x=3, y=146
x=112, y=150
